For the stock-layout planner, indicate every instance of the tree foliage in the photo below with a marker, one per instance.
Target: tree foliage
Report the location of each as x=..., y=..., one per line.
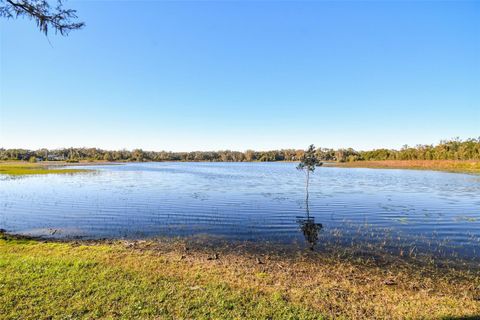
x=308, y=163
x=47, y=17
x=447, y=150
x=309, y=160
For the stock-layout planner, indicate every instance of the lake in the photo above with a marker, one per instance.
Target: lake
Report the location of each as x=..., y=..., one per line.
x=425, y=211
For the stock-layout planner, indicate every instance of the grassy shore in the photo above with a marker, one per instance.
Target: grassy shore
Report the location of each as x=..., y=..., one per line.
x=459, y=166
x=25, y=168
x=179, y=279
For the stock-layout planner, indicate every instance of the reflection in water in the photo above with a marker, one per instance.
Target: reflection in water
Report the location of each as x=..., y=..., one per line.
x=250, y=201
x=309, y=228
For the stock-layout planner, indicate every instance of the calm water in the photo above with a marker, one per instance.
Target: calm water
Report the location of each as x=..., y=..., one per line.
x=250, y=201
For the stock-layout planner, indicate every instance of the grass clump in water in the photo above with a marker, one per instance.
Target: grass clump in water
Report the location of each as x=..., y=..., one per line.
x=33, y=168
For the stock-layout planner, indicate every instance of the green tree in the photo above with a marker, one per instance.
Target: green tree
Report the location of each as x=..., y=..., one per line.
x=308, y=163
x=250, y=155
x=138, y=155
x=108, y=156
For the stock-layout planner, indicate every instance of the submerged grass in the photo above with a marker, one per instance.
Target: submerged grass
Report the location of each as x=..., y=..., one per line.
x=459, y=166
x=18, y=169
x=177, y=279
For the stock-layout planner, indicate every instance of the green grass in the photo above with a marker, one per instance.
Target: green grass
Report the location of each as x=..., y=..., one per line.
x=31, y=168
x=58, y=281
x=174, y=279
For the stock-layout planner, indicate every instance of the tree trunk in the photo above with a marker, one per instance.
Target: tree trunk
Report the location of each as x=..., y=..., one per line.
x=308, y=179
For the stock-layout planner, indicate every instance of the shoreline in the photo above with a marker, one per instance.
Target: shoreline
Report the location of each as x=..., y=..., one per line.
x=325, y=285
x=378, y=253
x=452, y=166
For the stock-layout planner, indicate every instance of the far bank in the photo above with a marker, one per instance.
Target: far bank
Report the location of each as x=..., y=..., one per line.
x=457, y=166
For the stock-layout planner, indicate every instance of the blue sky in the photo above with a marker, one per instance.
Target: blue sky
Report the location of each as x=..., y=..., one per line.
x=244, y=75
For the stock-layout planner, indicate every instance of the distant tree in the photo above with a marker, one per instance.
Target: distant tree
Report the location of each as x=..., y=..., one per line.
x=73, y=155
x=47, y=17
x=108, y=156
x=249, y=155
x=308, y=163
x=138, y=155
x=455, y=149
x=299, y=154
x=225, y=156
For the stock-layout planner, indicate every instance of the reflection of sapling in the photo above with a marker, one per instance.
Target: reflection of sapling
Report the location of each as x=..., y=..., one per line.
x=310, y=230
x=307, y=164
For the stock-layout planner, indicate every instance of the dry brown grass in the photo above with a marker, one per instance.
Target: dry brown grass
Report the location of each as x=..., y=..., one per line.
x=461, y=166
x=345, y=288
x=339, y=288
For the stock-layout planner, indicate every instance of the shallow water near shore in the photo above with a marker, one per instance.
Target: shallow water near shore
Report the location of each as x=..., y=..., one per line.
x=402, y=211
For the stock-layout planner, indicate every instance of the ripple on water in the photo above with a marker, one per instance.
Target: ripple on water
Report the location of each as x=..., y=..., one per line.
x=248, y=201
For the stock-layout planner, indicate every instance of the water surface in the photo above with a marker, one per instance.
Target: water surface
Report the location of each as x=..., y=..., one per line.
x=424, y=210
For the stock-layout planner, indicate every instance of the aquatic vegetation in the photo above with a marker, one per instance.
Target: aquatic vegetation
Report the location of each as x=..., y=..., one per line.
x=465, y=218
x=403, y=220
x=32, y=168
x=238, y=202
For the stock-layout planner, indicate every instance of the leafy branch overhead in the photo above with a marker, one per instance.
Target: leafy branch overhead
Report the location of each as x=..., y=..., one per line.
x=47, y=17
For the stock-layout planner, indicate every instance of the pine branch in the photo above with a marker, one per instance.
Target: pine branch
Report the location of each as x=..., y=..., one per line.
x=59, y=19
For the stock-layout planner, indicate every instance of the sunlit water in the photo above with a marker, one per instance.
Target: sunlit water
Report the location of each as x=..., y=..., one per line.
x=420, y=210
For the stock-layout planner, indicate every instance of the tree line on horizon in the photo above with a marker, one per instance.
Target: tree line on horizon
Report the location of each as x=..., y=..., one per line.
x=454, y=149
